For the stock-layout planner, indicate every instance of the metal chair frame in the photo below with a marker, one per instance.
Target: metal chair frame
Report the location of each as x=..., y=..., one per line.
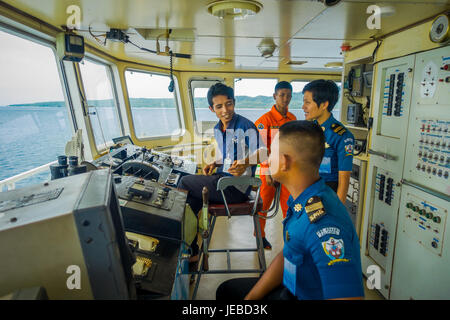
x=223, y=183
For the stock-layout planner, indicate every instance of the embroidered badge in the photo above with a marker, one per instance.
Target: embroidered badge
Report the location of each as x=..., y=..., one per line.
x=260, y=126
x=298, y=207
x=349, y=148
x=329, y=230
x=314, y=208
x=334, y=249
x=327, y=145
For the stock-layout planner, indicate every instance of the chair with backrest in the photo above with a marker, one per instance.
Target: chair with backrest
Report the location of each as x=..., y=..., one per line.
x=251, y=207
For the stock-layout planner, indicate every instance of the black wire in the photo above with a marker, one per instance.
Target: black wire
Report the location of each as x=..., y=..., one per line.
x=349, y=97
x=376, y=49
x=96, y=37
x=145, y=49
x=362, y=148
x=171, y=65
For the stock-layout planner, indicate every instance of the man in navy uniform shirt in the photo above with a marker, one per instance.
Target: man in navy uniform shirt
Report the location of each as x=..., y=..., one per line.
x=319, y=99
x=240, y=149
x=321, y=253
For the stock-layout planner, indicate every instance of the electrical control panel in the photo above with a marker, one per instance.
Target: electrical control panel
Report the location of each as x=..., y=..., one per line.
x=355, y=193
x=424, y=222
x=383, y=219
x=408, y=189
x=151, y=208
x=422, y=257
x=428, y=134
x=395, y=101
x=391, y=108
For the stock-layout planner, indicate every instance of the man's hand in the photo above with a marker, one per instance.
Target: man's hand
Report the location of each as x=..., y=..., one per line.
x=208, y=169
x=270, y=279
x=343, y=183
x=237, y=168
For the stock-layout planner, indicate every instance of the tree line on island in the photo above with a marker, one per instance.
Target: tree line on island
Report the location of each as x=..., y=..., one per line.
x=258, y=102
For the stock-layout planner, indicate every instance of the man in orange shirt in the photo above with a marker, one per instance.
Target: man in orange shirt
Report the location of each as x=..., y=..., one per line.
x=268, y=126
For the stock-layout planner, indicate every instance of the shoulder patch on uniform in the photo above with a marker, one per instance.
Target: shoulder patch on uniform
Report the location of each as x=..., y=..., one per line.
x=260, y=126
x=349, y=148
x=314, y=208
x=334, y=249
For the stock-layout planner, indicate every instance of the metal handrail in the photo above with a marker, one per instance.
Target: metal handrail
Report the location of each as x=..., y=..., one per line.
x=10, y=182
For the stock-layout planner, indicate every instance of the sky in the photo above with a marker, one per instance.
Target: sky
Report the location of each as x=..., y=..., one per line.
x=28, y=72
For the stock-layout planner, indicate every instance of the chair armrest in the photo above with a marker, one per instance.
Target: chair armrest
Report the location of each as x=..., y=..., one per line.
x=225, y=182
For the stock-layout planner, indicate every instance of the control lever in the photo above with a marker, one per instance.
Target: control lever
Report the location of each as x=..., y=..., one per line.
x=204, y=224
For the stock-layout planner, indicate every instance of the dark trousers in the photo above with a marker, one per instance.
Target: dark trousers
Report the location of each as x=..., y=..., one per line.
x=194, y=185
x=237, y=289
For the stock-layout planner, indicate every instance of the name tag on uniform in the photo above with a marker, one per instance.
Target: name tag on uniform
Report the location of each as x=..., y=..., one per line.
x=290, y=276
x=325, y=166
x=227, y=164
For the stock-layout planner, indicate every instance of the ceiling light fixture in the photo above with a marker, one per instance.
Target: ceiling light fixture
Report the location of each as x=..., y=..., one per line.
x=333, y=65
x=234, y=9
x=329, y=3
x=295, y=62
x=267, y=46
x=220, y=60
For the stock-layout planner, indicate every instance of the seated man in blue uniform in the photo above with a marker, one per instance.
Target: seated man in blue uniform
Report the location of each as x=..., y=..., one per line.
x=319, y=99
x=321, y=254
x=238, y=153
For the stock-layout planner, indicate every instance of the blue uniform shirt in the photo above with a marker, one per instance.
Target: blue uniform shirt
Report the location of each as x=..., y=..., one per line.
x=240, y=139
x=338, y=150
x=321, y=258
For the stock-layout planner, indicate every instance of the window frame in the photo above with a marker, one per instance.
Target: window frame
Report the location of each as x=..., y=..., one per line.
x=209, y=81
x=109, y=73
x=17, y=32
x=176, y=97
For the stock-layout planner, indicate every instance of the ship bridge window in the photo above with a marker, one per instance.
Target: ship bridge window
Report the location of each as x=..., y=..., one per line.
x=297, y=100
x=205, y=120
x=34, y=119
x=154, y=108
x=254, y=97
x=100, y=95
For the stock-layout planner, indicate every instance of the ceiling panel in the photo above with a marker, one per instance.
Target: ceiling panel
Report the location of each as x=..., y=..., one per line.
x=348, y=20
x=300, y=28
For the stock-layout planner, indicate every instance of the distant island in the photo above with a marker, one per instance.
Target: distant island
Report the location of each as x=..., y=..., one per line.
x=258, y=102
